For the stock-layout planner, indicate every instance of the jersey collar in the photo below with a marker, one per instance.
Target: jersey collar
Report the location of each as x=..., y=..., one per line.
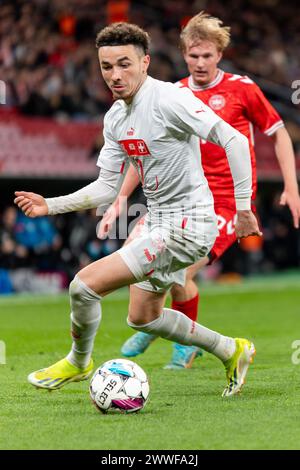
x=216, y=81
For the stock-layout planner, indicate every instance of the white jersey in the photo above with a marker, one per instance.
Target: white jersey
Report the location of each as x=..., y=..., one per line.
x=159, y=134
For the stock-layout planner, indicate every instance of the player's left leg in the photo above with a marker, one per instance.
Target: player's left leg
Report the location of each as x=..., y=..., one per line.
x=236, y=354
x=186, y=299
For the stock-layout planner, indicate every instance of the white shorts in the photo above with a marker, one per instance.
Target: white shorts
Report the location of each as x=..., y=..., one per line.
x=162, y=249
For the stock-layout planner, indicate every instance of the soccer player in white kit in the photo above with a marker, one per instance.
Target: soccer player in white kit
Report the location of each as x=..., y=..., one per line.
x=155, y=126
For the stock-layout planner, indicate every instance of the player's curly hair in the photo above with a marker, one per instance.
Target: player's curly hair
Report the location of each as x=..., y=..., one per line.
x=205, y=27
x=123, y=34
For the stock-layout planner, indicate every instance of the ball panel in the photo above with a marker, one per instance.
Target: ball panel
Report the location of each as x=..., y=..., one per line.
x=133, y=387
x=97, y=383
x=145, y=390
x=128, y=405
x=139, y=373
x=118, y=366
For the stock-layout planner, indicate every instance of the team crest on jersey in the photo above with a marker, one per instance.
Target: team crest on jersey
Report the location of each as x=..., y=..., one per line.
x=216, y=102
x=135, y=147
x=130, y=131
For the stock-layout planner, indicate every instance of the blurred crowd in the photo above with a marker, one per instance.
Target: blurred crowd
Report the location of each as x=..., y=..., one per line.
x=50, y=67
x=62, y=244
x=65, y=244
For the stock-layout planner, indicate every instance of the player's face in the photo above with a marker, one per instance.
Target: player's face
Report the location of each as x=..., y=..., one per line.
x=124, y=69
x=202, y=59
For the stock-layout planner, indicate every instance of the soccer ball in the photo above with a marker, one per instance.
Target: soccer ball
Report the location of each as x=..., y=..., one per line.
x=119, y=385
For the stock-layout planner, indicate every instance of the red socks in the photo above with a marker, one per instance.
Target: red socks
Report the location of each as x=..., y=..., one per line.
x=189, y=307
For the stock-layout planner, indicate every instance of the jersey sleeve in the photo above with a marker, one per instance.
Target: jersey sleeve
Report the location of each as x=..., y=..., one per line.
x=111, y=157
x=183, y=113
x=260, y=111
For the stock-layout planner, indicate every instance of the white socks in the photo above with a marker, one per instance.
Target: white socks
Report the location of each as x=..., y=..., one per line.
x=176, y=326
x=172, y=325
x=85, y=320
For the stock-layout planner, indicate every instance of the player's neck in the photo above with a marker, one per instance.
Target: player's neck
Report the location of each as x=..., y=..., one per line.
x=129, y=100
x=210, y=82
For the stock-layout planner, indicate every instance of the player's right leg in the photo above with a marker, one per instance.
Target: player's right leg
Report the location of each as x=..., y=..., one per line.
x=86, y=291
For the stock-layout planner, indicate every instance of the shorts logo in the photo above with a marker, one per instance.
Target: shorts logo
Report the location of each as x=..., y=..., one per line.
x=135, y=147
x=130, y=131
x=217, y=102
x=149, y=257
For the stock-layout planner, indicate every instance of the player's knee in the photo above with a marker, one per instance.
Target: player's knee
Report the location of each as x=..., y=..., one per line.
x=131, y=322
x=81, y=292
x=135, y=318
x=138, y=325
x=75, y=289
x=141, y=317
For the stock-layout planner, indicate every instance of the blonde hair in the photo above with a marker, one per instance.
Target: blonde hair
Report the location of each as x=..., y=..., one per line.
x=205, y=27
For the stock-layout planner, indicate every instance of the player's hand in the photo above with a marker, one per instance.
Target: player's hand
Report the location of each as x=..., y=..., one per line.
x=246, y=225
x=292, y=200
x=111, y=215
x=33, y=205
x=107, y=221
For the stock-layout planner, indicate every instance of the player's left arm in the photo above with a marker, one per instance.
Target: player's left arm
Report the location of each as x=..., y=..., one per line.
x=286, y=159
x=263, y=115
x=186, y=114
x=236, y=146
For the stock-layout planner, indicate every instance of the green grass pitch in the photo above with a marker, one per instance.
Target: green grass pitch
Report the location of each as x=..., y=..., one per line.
x=185, y=410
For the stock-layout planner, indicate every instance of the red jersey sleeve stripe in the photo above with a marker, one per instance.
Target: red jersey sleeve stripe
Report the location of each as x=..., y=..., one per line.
x=274, y=128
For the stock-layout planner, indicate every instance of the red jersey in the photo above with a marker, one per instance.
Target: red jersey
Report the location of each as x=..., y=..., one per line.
x=241, y=103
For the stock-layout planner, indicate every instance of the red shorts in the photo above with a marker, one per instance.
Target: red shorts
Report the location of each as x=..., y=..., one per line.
x=226, y=214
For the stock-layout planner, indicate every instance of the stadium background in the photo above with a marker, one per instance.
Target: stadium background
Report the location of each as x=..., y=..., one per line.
x=55, y=100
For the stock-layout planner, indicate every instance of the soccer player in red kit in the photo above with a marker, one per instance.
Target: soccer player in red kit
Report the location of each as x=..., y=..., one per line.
x=240, y=102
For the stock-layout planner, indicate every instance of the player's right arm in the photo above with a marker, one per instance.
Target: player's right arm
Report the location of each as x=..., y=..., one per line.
x=100, y=193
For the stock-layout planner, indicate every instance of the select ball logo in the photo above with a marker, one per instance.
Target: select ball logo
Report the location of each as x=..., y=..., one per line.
x=217, y=102
x=104, y=395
